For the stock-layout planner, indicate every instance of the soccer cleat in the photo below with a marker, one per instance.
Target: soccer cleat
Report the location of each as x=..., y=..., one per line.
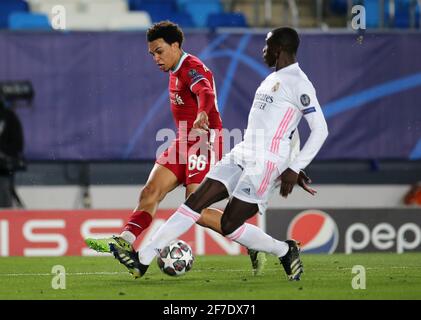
x=129, y=259
x=291, y=261
x=258, y=261
x=103, y=245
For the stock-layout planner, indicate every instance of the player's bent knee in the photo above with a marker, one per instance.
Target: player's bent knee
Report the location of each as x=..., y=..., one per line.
x=149, y=193
x=194, y=202
x=227, y=227
x=205, y=219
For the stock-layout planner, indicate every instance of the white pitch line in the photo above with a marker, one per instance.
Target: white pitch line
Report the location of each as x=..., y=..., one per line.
x=53, y=274
x=112, y=273
x=195, y=270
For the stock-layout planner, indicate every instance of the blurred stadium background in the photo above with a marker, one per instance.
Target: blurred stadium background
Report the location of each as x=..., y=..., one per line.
x=95, y=102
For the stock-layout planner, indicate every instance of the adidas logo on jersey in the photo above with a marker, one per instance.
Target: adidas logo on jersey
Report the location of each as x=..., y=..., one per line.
x=246, y=190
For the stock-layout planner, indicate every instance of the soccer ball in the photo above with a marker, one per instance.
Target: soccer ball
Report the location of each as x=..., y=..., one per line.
x=175, y=259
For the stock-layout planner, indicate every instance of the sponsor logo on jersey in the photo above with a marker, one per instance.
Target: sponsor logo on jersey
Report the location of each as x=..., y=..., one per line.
x=316, y=230
x=263, y=97
x=260, y=105
x=305, y=100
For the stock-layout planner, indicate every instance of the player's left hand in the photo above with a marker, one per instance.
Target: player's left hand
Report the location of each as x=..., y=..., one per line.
x=304, y=181
x=288, y=179
x=202, y=121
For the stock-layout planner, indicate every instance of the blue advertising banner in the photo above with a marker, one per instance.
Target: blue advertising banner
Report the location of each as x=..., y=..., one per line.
x=100, y=96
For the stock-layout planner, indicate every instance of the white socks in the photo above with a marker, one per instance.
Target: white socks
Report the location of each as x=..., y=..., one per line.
x=255, y=238
x=176, y=225
x=247, y=235
x=128, y=236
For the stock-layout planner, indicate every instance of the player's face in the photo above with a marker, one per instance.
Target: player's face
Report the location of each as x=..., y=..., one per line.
x=269, y=55
x=269, y=52
x=164, y=54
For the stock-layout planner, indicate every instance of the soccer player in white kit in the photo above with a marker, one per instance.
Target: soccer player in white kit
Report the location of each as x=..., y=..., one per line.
x=251, y=171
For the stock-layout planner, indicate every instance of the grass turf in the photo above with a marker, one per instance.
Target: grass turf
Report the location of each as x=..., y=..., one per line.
x=388, y=276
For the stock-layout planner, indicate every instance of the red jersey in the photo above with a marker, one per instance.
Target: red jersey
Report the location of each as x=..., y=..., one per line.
x=184, y=102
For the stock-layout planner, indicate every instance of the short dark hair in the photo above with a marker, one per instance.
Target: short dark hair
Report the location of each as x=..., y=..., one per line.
x=286, y=38
x=167, y=30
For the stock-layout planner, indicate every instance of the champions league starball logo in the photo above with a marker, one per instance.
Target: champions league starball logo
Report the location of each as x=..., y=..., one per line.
x=316, y=230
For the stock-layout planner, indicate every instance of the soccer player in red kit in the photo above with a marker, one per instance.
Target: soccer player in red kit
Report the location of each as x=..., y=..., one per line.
x=187, y=160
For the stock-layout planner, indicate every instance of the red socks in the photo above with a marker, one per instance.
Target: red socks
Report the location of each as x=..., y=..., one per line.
x=138, y=222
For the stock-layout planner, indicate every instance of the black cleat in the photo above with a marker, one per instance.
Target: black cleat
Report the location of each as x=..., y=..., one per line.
x=129, y=259
x=258, y=261
x=291, y=261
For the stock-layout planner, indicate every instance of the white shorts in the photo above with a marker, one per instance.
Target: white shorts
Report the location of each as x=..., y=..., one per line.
x=249, y=184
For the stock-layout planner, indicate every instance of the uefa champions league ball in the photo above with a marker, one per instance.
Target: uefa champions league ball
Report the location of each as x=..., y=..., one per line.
x=175, y=259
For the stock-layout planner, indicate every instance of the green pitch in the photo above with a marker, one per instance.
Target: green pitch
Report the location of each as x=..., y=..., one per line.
x=388, y=276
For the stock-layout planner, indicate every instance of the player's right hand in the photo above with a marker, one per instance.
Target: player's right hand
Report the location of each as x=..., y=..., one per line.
x=202, y=121
x=288, y=179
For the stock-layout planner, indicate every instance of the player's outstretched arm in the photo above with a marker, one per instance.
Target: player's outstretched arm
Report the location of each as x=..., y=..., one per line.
x=318, y=134
x=206, y=99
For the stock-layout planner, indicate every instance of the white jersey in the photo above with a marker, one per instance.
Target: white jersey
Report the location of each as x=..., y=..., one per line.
x=280, y=102
x=250, y=172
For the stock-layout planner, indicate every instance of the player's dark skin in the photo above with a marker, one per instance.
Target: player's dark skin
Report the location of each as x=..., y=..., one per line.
x=210, y=191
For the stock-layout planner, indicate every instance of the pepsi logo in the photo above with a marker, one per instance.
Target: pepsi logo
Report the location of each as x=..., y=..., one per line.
x=316, y=230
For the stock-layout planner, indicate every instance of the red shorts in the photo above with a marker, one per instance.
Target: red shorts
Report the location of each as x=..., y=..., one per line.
x=190, y=162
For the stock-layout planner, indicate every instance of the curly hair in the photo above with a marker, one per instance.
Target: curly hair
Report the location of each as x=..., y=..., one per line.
x=167, y=30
